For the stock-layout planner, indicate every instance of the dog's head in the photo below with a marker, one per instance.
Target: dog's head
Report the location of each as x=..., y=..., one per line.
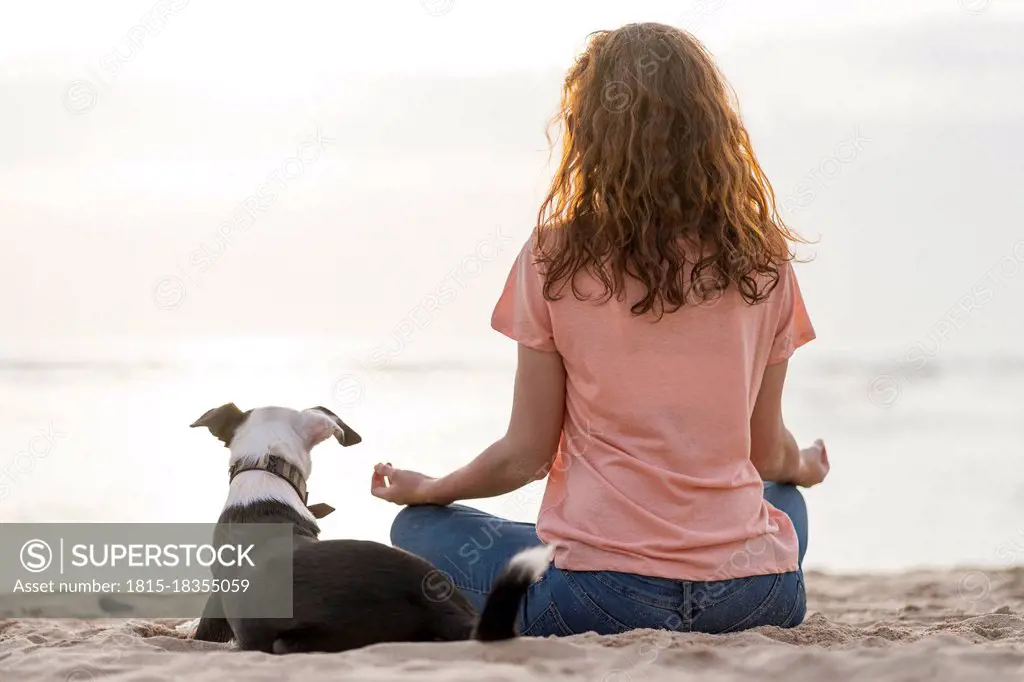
x=278, y=430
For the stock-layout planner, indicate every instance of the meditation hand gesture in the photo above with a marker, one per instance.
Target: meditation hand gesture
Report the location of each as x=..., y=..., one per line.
x=814, y=466
x=401, y=486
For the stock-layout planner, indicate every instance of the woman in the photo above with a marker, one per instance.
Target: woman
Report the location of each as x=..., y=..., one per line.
x=655, y=311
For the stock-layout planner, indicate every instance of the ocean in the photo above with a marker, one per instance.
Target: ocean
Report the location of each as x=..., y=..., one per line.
x=925, y=456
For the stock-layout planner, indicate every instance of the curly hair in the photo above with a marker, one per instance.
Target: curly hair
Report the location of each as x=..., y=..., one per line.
x=657, y=179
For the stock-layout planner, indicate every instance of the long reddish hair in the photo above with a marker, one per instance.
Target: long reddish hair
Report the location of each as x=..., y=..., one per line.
x=657, y=179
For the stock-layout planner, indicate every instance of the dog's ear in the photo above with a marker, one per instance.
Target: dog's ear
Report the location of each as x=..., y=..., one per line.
x=222, y=421
x=315, y=427
x=345, y=434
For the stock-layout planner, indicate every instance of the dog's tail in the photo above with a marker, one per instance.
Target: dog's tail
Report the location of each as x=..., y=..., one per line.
x=501, y=610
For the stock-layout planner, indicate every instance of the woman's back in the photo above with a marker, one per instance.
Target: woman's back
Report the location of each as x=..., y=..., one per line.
x=653, y=474
x=654, y=308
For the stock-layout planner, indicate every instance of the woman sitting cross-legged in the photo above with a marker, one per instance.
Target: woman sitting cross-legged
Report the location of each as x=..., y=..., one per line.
x=655, y=308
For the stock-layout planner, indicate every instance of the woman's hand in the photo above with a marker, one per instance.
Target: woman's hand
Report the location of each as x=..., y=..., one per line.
x=403, y=486
x=814, y=466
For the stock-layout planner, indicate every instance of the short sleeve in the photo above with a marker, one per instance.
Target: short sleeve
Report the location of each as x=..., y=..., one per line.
x=522, y=313
x=794, y=327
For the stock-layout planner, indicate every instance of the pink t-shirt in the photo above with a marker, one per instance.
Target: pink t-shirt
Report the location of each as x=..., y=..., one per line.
x=653, y=473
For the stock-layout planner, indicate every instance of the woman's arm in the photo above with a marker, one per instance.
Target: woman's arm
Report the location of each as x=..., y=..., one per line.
x=773, y=450
x=522, y=455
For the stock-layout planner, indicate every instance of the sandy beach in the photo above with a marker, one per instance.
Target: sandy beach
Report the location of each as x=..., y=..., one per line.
x=924, y=625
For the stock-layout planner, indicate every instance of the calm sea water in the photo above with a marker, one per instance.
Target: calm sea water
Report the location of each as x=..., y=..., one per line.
x=926, y=461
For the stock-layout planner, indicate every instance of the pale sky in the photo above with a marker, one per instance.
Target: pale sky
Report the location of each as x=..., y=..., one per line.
x=261, y=41
x=437, y=109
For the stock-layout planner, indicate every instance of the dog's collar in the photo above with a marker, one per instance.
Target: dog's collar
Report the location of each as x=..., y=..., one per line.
x=273, y=464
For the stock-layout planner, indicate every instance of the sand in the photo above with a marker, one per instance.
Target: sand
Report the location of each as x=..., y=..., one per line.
x=926, y=625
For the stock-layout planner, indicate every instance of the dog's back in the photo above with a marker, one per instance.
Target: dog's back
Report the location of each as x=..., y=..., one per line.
x=352, y=593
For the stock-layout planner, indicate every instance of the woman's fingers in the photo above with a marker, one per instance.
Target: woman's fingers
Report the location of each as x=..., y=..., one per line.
x=379, y=485
x=822, y=452
x=382, y=484
x=821, y=464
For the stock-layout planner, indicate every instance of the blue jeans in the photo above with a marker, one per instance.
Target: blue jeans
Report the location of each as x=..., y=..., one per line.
x=472, y=547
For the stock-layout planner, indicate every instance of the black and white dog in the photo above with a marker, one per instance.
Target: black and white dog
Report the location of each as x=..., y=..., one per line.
x=346, y=593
